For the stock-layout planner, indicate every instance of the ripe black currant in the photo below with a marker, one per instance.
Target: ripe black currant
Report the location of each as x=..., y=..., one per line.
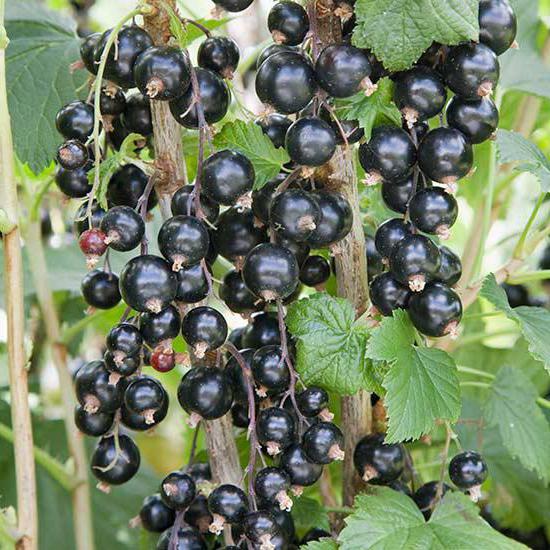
x=275, y=429
x=124, y=228
x=434, y=211
x=239, y=416
x=262, y=330
x=286, y=525
x=310, y=141
x=300, y=250
x=138, y=422
x=111, y=102
x=233, y=5
x=271, y=272
x=343, y=70
x=204, y=329
x=87, y=52
x=186, y=538
x=323, y=443
x=145, y=396
x=389, y=234
x=72, y=155
x=192, y=285
x=81, y=219
x=93, y=424
x=497, y=25
x=387, y=294
x=198, y=515
x=219, y=54
x=286, y=82
x=126, y=186
x=436, y=311
x=450, y=270
x=302, y=471
x=74, y=183
x=315, y=271
x=236, y=295
x=137, y=115
x=178, y=490
x=238, y=377
x=270, y=371
x=275, y=127
x=477, y=120
x=115, y=464
x=315, y=534
x=124, y=338
x=100, y=289
x=273, y=49
x=468, y=471
x=312, y=402
x=183, y=204
x=199, y=471
x=260, y=528
x=271, y=485
x=389, y=155
x=377, y=462
x=227, y=503
x=121, y=365
x=288, y=23
x=397, y=194
x=425, y=497
x=94, y=390
x=518, y=295
x=75, y=121
x=295, y=214
x=336, y=220
x=154, y=515
x=472, y=70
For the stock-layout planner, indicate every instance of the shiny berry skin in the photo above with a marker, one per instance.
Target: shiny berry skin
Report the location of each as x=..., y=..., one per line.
x=262, y=330
x=147, y=283
x=138, y=422
x=219, y=54
x=239, y=416
x=445, y=155
x=477, y=120
x=233, y=6
x=273, y=49
x=214, y=95
x=275, y=127
x=158, y=327
x=192, y=285
x=288, y=23
x=436, y=311
x=238, y=379
x=93, y=424
x=183, y=241
x=387, y=294
x=314, y=271
x=450, y=269
x=275, y=429
x=130, y=43
x=123, y=227
x=155, y=516
x=126, y=186
x=186, y=538
x=468, y=470
x=389, y=155
x=260, y=528
x=315, y=534
x=123, y=462
x=236, y=336
x=87, y=52
x=302, y=471
x=497, y=25
x=122, y=365
x=389, y=234
x=472, y=70
x=397, y=194
x=145, y=396
x=236, y=295
x=425, y=497
x=198, y=515
x=271, y=272
x=295, y=214
x=323, y=443
x=336, y=220
x=124, y=338
x=348, y=128
x=162, y=73
x=204, y=329
x=111, y=103
x=227, y=176
x=94, y=390
x=72, y=155
x=81, y=219
x=312, y=402
x=92, y=243
x=75, y=121
x=270, y=371
x=271, y=485
x=343, y=70
x=433, y=211
x=74, y=183
x=137, y=115
x=286, y=82
x=163, y=359
x=300, y=250
x=377, y=462
x=414, y=261
x=375, y=263
x=227, y=503
x=419, y=94
x=183, y=204
x=100, y=289
x=178, y=490
x=310, y=141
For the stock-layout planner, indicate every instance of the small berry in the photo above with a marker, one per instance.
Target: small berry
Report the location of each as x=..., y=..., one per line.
x=425, y=497
x=155, y=516
x=72, y=155
x=295, y=214
x=270, y=371
x=112, y=103
x=310, y=141
x=121, y=365
x=204, y=329
x=137, y=115
x=271, y=485
x=126, y=187
x=138, y=422
x=159, y=327
x=477, y=120
x=178, y=490
x=236, y=295
x=323, y=443
x=497, y=25
x=123, y=227
x=75, y=121
x=233, y=6
x=288, y=23
x=315, y=534
x=115, y=464
x=162, y=359
x=468, y=471
x=387, y=294
x=336, y=220
x=145, y=396
x=94, y=389
x=312, y=402
x=275, y=429
x=93, y=245
x=315, y=271
x=87, y=52
x=262, y=330
x=450, y=270
x=260, y=528
x=378, y=462
x=433, y=211
x=183, y=204
x=100, y=289
x=375, y=262
x=192, y=284
x=302, y=471
x=74, y=183
x=219, y=54
x=81, y=219
x=389, y=234
x=198, y=515
x=93, y=424
x=186, y=538
x=517, y=295
x=397, y=194
x=273, y=49
x=124, y=338
x=275, y=127
x=300, y=250
x=227, y=503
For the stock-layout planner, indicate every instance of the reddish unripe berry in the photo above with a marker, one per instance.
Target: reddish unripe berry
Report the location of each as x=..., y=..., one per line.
x=92, y=243
x=162, y=359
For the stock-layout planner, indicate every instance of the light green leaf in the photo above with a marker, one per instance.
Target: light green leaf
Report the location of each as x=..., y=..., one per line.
x=399, y=31
x=308, y=513
x=249, y=139
x=422, y=384
x=323, y=544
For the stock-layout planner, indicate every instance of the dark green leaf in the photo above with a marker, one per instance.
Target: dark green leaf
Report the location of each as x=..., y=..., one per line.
x=323, y=544
x=308, y=513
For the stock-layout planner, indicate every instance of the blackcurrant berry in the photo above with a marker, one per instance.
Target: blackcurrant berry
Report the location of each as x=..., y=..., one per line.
x=186, y=538
x=124, y=228
x=124, y=338
x=285, y=522
x=315, y=271
x=214, y=95
x=295, y=214
x=145, y=396
x=94, y=390
x=192, y=285
x=336, y=220
x=343, y=70
x=302, y=471
x=111, y=102
x=286, y=82
x=238, y=377
x=275, y=429
x=138, y=422
x=397, y=194
x=425, y=497
x=310, y=141
x=477, y=120
x=93, y=424
x=300, y=250
x=288, y=23
x=323, y=443
x=115, y=464
x=472, y=70
x=100, y=289
x=126, y=187
x=436, y=311
x=445, y=155
x=377, y=462
x=74, y=183
x=518, y=295
x=312, y=402
x=450, y=270
x=262, y=330
x=275, y=127
x=158, y=327
x=389, y=234
x=72, y=155
x=375, y=262
x=219, y=54
x=315, y=534
x=87, y=52
x=199, y=471
x=204, y=329
x=155, y=516
x=183, y=204
x=434, y=211
x=260, y=528
x=198, y=515
x=239, y=416
x=468, y=471
x=227, y=503
x=273, y=49
x=270, y=371
x=121, y=365
x=75, y=121
x=236, y=295
x=271, y=485
x=497, y=25
x=137, y=115
x=81, y=219
x=387, y=294
x=178, y=490
x=233, y=5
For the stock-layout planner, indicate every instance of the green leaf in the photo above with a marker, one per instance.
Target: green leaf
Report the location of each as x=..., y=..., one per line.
x=422, y=384
x=331, y=345
x=371, y=111
x=323, y=544
x=43, y=45
x=513, y=147
x=523, y=427
x=308, y=513
x=249, y=139
x=399, y=31
x=193, y=33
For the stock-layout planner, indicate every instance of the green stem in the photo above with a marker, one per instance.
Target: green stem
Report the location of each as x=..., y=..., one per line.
x=482, y=385
x=518, y=251
x=482, y=315
x=480, y=373
x=520, y=278
x=475, y=338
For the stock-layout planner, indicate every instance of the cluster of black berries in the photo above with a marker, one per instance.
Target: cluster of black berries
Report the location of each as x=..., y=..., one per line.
x=418, y=167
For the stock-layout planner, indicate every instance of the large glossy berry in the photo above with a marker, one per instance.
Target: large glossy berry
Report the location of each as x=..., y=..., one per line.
x=300, y=250
x=94, y=390
x=389, y=155
x=275, y=127
x=271, y=485
x=323, y=442
x=294, y=213
x=147, y=283
x=93, y=424
x=450, y=270
x=204, y=329
x=72, y=155
x=262, y=330
x=137, y=115
x=377, y=462
x=198, y=515
x=271, y=272
x=183, y=204
x=425, y=497
x=158, y=327
x=288, y=23
x=497, y=25
x=124, y=338
x=214, y=95
x=219, y=54
x=87, y=51
x=343, y=70
x=122, y=365
x=126, y=187
x=445, y=155
x=145, y=396
x=227, y=176
x=433, y=211
x=186, y=538
x=414, y=261
x=387, y=294
x=193, y=284
x=420, y=94
x=275, y=429
x=302, y=471
x=227, y=503
x=310, y=141
x=115, y=464
x=270, y=371
x=477, y=119
x=138, y=422
x=130, y=43
x=236, y=295
x=74, y=183
x=124, y=228
x=315, y=271
x=468, y=470
x=100, y=289
x=233, y=6
x=313, y=401
x=238, y=377
x=336, y=219
x=436, y=311
x=75, y=121
x=178, y=490
x=286, y=82
x=162, y=73
x=155, y=516
x=273, y=49
x=389, y=234
x=397, y=194
x=260, y=528
x=472, y=70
